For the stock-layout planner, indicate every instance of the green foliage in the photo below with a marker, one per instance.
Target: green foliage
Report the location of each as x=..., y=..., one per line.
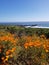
x=22, y=56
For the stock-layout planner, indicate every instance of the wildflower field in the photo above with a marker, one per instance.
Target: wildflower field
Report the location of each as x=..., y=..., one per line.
x=24, y=46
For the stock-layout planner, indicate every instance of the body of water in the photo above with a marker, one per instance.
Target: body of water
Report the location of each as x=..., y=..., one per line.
x=38, y=24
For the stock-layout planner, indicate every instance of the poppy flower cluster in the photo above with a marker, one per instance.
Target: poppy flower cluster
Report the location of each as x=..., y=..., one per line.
x=38, y=42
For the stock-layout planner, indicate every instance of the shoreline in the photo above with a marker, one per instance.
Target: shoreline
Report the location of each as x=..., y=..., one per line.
x=36, y=27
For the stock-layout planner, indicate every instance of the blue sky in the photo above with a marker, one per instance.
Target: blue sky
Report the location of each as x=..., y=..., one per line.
x=24, y=10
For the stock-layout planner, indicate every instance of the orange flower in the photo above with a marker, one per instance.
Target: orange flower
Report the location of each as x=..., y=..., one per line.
x=13, y=49
x=31, y=43
x=44, y=45
x=8, y=52
x=2, y=58
x=26, y=45
x=11, y=55
x=47, y=50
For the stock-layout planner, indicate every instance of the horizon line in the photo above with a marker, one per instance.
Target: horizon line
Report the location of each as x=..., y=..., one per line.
x=20, y=21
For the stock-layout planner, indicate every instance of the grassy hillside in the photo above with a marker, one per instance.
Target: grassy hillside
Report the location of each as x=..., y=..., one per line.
x=23, y=46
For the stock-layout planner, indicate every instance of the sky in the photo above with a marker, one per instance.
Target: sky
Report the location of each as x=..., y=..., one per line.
x=24, y=10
